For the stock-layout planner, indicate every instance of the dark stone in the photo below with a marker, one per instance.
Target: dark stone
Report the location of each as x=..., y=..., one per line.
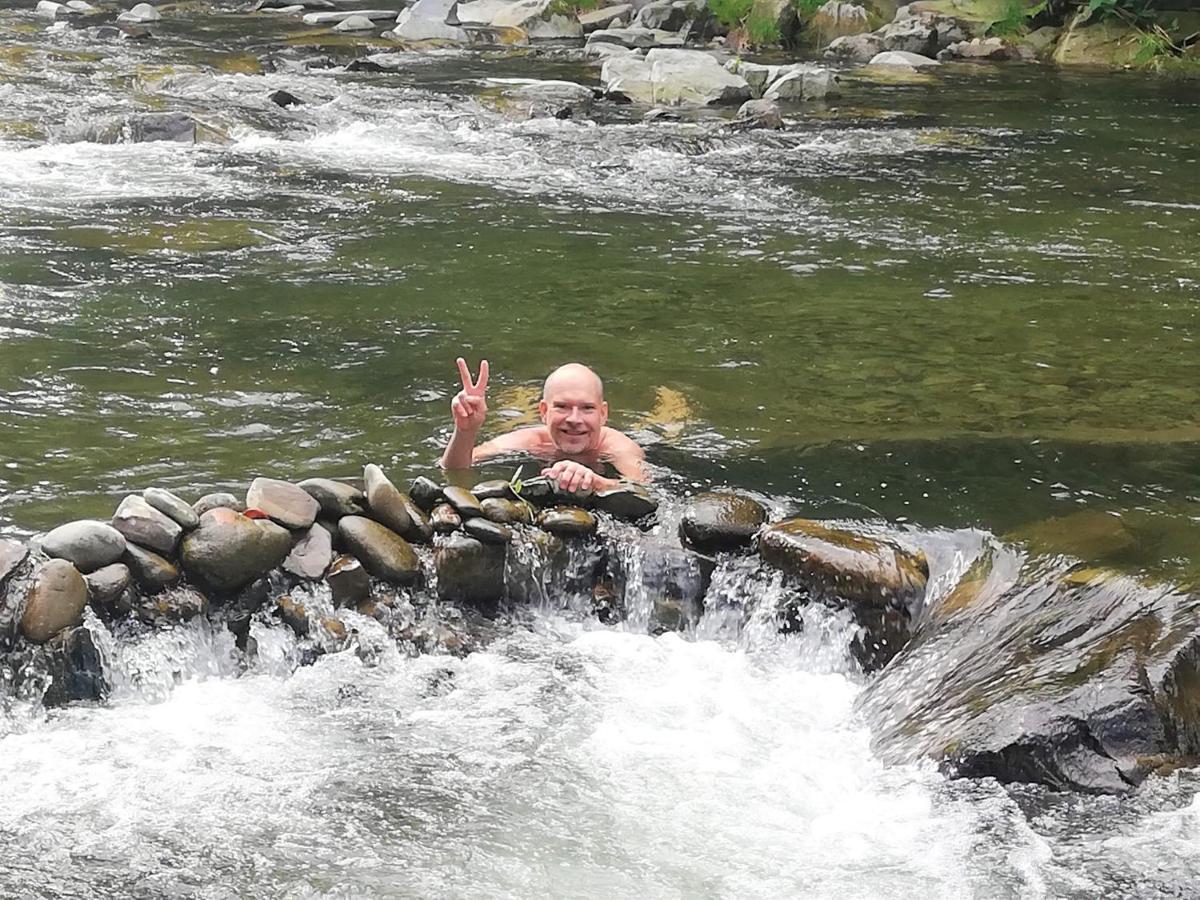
x=142, y=524
x=385, y=501
x=55, y=600
x=107, y=584
x=284, y=98
x=88, y=545
x=12, y=554
x=228, y=550
x=487, y=531
x=293, y=614
x=420, y=531
x=538, y=490
x=463, y=501
x=382, y=552
x=629, y=501
x=444, y=519
x=507, y=512
x=348, y=581
x=311, y=555
x=171, y=607
x=173, y=506
x=758, y=114
x=286, y=503
x=336, y=498
x=721, y=521
x=497, y=489
x=152, y=572
x=218, y=500
x=667, y=585
x=165, y=126
x=75, y=667
x=567, y=521
x=470, y=571
x=426, y=493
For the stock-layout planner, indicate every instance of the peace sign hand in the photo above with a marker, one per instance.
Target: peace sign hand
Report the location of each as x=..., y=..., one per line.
x=469, y=405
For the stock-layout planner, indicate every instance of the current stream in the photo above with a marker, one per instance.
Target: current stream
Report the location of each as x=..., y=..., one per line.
x=964, y=309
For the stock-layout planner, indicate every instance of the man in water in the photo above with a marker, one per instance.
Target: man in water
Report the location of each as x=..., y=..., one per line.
x=573, y=436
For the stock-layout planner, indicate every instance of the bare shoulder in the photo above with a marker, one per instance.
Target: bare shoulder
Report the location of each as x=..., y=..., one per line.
x=522, y=439
x=617, y=442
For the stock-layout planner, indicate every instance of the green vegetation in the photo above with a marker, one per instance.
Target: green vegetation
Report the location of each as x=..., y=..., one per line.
x=762, y=29
x=731, y=13
x=1014, y=18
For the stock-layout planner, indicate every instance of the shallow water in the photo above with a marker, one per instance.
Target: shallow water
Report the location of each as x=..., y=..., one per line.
x=970, y=303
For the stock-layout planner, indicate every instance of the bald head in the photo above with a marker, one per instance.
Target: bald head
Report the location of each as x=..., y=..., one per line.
x=574, y=377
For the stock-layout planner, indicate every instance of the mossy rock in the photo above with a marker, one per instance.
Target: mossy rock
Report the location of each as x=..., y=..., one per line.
x=1088, y=534
x=948, y=137
x=190, y=236
x=1106, y=44
x=890, y=75
x=21, y=130
x=238, y=64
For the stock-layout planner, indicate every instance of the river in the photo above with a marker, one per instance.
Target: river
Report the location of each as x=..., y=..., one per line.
x=959, y=306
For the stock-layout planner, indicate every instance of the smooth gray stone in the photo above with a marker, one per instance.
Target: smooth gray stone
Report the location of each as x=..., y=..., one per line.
x=286, y=503
x=385, y=502
x=311, y=555
x=151, y=572
x=88, y=544
x=336, y=498
x=216, y=501
x=142, y=524
x=172, y=505
x=106, y=584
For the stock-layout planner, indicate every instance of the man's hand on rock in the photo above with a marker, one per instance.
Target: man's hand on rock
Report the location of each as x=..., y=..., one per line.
x=574, y=477
x=469, y=405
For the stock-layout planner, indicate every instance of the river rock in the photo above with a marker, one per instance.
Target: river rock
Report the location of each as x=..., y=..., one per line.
x=673, y=78
x=470, y=571
x=285, y=503
x=903, y=60
x=56, y=600
x=75, y=668
x=909, y=35
x=171, y=505
x=567, y=521
x=336, y=498
x=349, y=582
x=719, y=521
x=311, y=555
x=105, y=585
x=12, y=554
x=445, y=519
x=228, y=550
x=538, y=490
x=48, y=9
x=759, y=114
x=87, y=544
x=420, y=531
x=284, y=99
x=488, y=531
x=630, y=38
x=331, y=18
x=463, y=501
x=355, y=23
x=836, y=18
x=627, y=501
x=667, y=585
x=425, y=492
x=151, y=572
x=540, y=20
x=217, y=500
x=507, y=512
x=665, y=15
x=172, y=607
x=382, y=552
x=385, y=501
x=859, y=48
x=596, y=19
x=807, y=84
x=426, y=20
x=498, y=488
x=993, y=49
x=142, y=524
x=140, y=14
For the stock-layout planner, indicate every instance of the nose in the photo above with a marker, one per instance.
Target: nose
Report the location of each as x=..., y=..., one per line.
x=573, y=415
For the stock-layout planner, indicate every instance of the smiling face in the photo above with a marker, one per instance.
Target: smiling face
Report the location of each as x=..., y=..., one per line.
x=573, y=409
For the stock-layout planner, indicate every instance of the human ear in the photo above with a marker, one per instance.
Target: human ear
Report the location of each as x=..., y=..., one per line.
x=543, y=408
x=603, y=412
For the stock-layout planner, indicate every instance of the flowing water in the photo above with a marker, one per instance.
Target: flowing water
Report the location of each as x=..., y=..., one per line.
x=956, y=308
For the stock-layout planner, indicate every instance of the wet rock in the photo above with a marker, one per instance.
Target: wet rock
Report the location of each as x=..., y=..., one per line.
x=533, y=98
x=426, y=20
x=421, y=531
x=338, y=16
x=166, y=126
x=12, y=554
x=806, y=84
x=632, y=38
x=628, y=501
x=506, y=512
x=719, y=521
x=992, y=49
x=759, y=114
x=142, y=524
x=228, y=550
x=538, y=20
x=425, y=492
x=336, y=498
x=538, y=490
x=285, y=99
x=140, y=14
x=56, y=600
x=286, y=503
x=673, y=78
x=311, y=555
x=172, y=506
x=88, y=545
x=665, y=589
x=445, y=519
x=293, y=614
x=172, y=607
x=75, y=667
x=217, y=501
x=349, y=582
x=107, y=584
x=836, y=19
x=567, y=521
x=487, y=531
x=463, y=501
x=903, y=60
x=470, y=571
x=385, y=501
x=48, y=9
x=151, y=572
x=382, y=552
x=355, y=23
x=858, y=48
x=596, y=19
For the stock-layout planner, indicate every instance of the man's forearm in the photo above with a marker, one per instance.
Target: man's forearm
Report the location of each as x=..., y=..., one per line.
x=458, y=453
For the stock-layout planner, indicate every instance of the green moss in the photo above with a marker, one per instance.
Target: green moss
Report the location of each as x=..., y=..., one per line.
x=762, y=30
x=730, y=13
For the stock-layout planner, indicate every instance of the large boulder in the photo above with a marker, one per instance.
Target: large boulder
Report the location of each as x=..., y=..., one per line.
x=470, y=571
x=426, y=20
x=286, y=503
x=595, y=19
x=142, y=524
x=55, y=600
x=669, y=77
x=539, y=20
x=634, y=38
x=1109, y=43
x=228, y=551
x=721, y=520
x=87, y=544
x=382, y=552
x=854, y=47
x=836, y=19
x=1026, y=673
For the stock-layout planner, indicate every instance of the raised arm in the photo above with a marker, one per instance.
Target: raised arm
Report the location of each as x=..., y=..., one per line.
x=469, y=408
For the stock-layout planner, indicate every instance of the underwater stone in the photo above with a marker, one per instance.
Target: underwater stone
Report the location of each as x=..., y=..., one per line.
x=385, y=501
x=288, y=504
x=382, y=552
x=172, y=607
x=89, y=545
x=293, y=614
x=56, y=600
x=721, y=520
x=75, y=667
x=170, y=504
x=336, y=498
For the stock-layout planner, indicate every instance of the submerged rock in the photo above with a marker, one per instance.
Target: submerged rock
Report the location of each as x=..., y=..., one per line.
x=228, y=550
x=142, y=524
x=172, y=506
x=89, y=545
x=285, y=99
x=335, y=498
x=721, y=520
x=470, y=571
x=75, y=668
x=172, y=607
x=382, y=552
x=286, y=503
x=55, y=600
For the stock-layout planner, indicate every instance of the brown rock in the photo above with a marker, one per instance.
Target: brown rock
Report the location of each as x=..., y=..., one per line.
x=55, y=601
x=383, y=553
x=445, y=519
x=469, y=571
x=142, y=524
x=152, y=572
x=106, y=584
x=463, y=501
x=336, y=498
x=566, y=521
x=286, y=503
x=348, y=581
x=385, y=501
x=721, y=521
x=229, y=551
x=506, y=512
x=293, y=614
